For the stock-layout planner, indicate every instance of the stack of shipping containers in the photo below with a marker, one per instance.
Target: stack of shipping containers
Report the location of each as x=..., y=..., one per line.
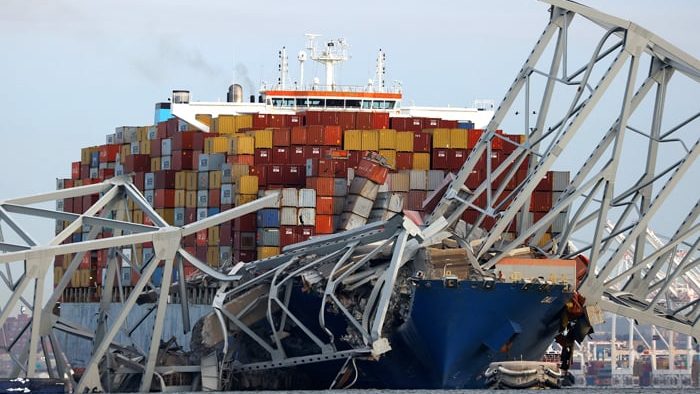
x=319, y=162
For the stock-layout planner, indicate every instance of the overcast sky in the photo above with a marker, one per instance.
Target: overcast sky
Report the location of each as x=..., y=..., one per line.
x=71, y=71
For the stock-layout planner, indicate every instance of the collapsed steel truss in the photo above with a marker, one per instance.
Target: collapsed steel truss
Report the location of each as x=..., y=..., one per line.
x=592, y=198
x=637, y=290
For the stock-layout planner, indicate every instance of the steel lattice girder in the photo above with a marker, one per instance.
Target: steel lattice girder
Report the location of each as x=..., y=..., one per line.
x=594, y=196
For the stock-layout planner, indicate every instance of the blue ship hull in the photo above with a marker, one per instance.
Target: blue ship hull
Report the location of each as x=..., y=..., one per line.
x=448, y=340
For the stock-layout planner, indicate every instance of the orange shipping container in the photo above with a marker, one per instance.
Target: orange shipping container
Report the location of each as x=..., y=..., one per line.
x=324, y=224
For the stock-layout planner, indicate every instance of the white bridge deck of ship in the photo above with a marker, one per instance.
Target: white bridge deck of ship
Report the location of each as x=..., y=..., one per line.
x=596, y=194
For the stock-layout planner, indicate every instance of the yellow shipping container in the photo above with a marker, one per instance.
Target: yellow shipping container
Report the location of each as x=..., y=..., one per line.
x=131, y=205
x=245, y=198
x=191, y=199
x=390, y=156
x=85, y=156
x=267, y=251
x=263, y=139
x=387, y=139
x=215, y=179
x=168, y=214
x=404, y=141
x=239, y=170
x=179, y=198
x=191, y=180
x=213, y=256
x=421, y=161
x=546, y=237
x=244, y=122
x=204, y=118
x=124, y=152
x=226, y=124
x=441, y=138
x=137, y=216
x=145, y=147
x=370, y=140
x=458, y=139
x=216, y=145
x=142, y=133
x=180, y=180
x=57, y=275
x=352, y=140
x=155, y=164
x=248, y=184
x=75, y=279
x=85, y=278
x=213, y=236
x=241, y=145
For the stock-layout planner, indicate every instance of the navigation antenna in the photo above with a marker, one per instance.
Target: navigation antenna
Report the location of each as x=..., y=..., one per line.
x=283, y=68
x=334, y=51
x=380, y=71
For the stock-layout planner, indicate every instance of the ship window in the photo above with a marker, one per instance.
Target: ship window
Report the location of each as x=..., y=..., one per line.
x=315, y=102
x=352, y=103
x=334, y=103
x=390, y=104
x=302, y=102
x=377, y=104
x=277, y=102
x=289, y=102
x=366, y=104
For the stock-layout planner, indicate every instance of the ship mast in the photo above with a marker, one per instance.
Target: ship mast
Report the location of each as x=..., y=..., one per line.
x=335, y=51
x=380, y=71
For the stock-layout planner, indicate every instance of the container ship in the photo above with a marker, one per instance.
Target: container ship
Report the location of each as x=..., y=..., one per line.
x=343, y=158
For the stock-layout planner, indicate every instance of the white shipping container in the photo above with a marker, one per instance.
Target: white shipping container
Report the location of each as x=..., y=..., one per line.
x=226, y=173
x=378, y=215
x=135, y=148
x=94, y=173
x=165, y=163
x=227, y=194
x=364, y=187
x=202, y=180
x=358, y=205
x=560, y=222
x=290, y=197
x=382, y=201
x=307, y=198
x=418, y=179
x=111, y=138
x=201, y=213
x=307, y=217
x=349, y=221
x=179, y=217
x=118, y=170
x=399, y=182
x=288, y=216
x=59, y=183
x=435, y=178
x=166, y=147
x=225, y=254
x=384, y=187
x=560, y=180
x=149, y=181
x=148, y=194
x=152, y=132
x=340, y=187
x=203, y=198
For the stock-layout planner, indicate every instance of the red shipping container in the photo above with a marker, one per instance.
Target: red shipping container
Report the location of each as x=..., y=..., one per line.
x=214, y=198
x=201, y=252
x=288, y=235
x=448, y=124
x=78, y=205
x=380, y=120
x=156, y=147
x=324, y=224
x=109, y=152
x=84, y=171
x=340, y=168
x=294, y=121
x=354, y=157
x=106, y=173
x=190, y=215
x=372, y=171
x=67, y=183
x=332, y=136
x=139, y=180
x=89, y=200
x=245, y=223
x=281, y=137
x=276, y=121
x=329, y=118
x=261, y=172
x=304, y=233
x=189, y=241
x=137, y=163
x=508, y=146
x=298, y=135
x=294, y=175
x=323, y=186
x=475, y=179
x=346, y=120
x=188, y=140
x=260, y=121
x=297, y=155
x=541, y=201
x=313, y=152
x=414, y=124
x=245, y=256
x=545, y=183
x=430, y=123
x=263, y=156
x=164, y=179
x=75, y=170
x=415, y=200
x=404, y=161
x=172, y=126
x=202, y=240
x=225, y=234
x=324, y=205
x=363, y=121
x=275, y=175
x=314, y=135
x=456, y=158
x=164, y=198
x=162, y=129
x=421, y=142
x=68, y=205
x=280, y=155
x=241, y=159
x=184, y=160
x=312, y=118
x=440, y=159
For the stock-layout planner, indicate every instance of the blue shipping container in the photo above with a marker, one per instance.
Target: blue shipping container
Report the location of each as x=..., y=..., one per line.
x=269, y=217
